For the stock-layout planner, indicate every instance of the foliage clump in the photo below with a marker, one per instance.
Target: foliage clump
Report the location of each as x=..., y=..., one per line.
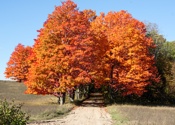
x=11, y=114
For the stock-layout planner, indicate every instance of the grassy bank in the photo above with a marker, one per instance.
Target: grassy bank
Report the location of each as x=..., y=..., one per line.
x=38, y=107
x=142, y=115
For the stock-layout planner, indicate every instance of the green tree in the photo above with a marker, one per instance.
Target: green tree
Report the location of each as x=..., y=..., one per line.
x=164, y=54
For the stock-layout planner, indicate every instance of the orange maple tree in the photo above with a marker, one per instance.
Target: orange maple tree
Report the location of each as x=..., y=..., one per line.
x=127, y=65
x=77, y=47
x=17, y=66
x=62, y=53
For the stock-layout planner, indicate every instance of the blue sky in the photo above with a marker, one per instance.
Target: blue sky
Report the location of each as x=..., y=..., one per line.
x=20, y=19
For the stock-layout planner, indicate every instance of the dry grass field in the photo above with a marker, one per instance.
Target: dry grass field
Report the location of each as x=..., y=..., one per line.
x=39, y=107
x=142, y=115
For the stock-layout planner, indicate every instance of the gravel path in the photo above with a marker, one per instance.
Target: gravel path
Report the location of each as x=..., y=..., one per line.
x=82, y=116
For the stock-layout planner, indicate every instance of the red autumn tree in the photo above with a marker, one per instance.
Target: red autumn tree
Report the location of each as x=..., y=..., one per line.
x=62, y=53
x=17, y=66
x=127, y=66
x=75, y=47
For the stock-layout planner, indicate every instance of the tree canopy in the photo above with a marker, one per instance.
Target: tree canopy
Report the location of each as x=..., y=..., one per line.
x=125, y=62
x=76, y=48
x=17, y=66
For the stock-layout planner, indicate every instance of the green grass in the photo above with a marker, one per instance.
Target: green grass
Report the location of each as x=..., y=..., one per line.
x=39, y=107
x=142, y=115
x=117, y=117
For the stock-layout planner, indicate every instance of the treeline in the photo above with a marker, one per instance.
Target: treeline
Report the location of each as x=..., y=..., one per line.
x=113, y=53
x=164, y=54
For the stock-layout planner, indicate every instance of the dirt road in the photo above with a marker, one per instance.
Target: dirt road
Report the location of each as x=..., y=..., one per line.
x=82, y=116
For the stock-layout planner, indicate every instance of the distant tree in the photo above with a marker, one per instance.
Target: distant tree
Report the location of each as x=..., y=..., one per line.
x=17, y=66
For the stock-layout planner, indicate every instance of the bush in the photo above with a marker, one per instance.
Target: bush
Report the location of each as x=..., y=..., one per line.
x=11, y=114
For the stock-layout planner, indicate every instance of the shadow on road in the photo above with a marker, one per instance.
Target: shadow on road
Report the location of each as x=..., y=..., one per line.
x=94, y=100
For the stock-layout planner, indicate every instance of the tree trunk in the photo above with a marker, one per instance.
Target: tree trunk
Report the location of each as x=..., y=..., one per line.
x=86, y=91
x=77, y=94
x=62, y=98
x=71, y=96
x=58, y=100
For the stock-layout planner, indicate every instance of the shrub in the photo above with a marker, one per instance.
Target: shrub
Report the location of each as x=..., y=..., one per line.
x=11, y=114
